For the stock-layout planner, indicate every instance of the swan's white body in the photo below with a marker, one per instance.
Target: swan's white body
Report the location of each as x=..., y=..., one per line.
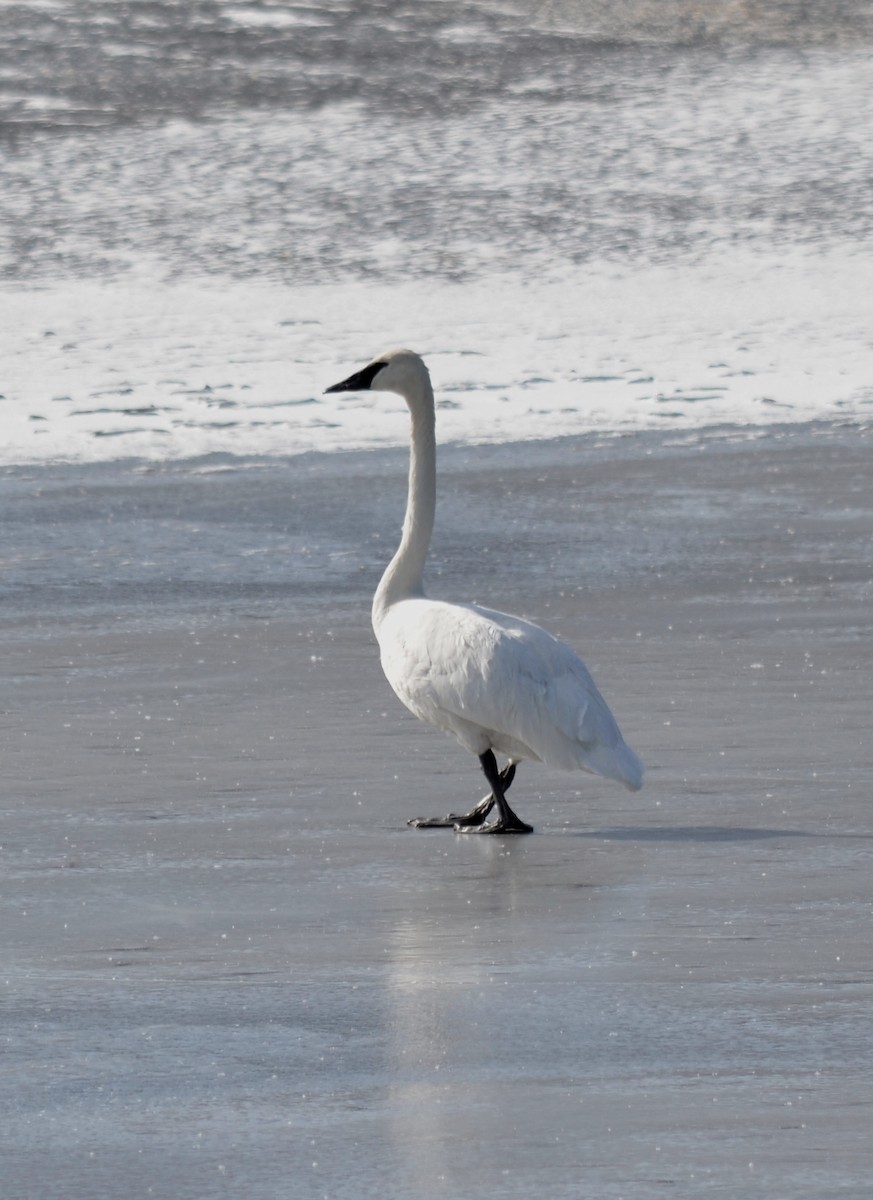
x=498, y=683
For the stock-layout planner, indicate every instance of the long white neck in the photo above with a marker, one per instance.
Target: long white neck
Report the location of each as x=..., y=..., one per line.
x=403, y=575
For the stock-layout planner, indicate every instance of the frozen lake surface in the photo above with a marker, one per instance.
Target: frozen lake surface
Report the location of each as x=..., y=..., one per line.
x=230, y=967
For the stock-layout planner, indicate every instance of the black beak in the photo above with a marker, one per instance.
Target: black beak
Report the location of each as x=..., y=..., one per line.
x=360, y=381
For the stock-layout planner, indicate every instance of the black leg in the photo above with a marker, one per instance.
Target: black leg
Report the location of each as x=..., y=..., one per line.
x=507, y=821
x=476, y=816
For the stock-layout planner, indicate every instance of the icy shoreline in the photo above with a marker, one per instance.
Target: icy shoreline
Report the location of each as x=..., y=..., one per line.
x=97, y=372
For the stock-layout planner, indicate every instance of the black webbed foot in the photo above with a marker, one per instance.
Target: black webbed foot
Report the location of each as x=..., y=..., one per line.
x=449, y=821
x=513, y=825
x=472, y=820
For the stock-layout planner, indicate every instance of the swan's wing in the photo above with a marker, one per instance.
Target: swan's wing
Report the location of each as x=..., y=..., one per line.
x=508, y=678
x=544, y=691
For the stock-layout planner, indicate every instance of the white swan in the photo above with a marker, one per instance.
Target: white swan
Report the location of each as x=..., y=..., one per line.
x=496, y=682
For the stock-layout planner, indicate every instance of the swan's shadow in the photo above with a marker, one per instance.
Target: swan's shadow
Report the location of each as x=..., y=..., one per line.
x=693, y=833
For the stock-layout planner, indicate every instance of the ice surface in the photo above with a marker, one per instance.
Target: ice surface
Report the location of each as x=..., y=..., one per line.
x=228, y=966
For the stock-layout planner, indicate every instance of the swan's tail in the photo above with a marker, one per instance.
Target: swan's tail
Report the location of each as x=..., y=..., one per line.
x=616, y=762
x=631, y=770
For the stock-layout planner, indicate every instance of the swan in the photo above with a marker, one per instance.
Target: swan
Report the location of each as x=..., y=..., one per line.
x=500, y=684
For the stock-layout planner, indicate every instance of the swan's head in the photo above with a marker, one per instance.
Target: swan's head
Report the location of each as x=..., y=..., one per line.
x=400, y=371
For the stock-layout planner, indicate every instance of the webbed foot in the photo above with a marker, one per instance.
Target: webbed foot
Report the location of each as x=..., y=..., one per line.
x=450, y=821
x=475, y=817
x=514, y=825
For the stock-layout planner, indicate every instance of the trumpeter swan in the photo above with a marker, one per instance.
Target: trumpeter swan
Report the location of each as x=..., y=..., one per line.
x=498, y=683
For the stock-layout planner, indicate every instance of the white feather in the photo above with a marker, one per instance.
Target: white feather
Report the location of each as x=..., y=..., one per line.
x=498, y=682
